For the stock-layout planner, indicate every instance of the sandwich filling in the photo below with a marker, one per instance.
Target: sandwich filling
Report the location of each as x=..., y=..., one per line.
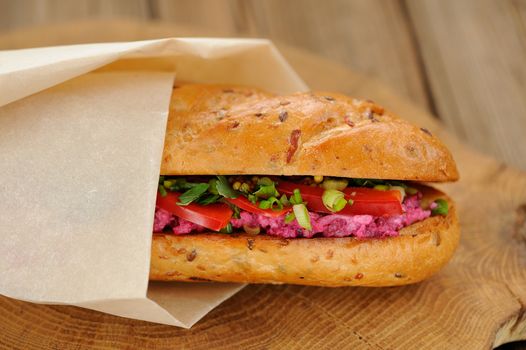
x=289, y=207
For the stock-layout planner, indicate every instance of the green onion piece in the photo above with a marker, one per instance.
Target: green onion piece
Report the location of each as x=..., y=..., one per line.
x=253, y=199
x=284, y=200
x=333, y=200
x=264, y=204
x=168, y=183
x=161, y=179
x=265, y=181
x=227, y=229
x=332, y=184
x=275, y=204
x=192, y=194
x=411, y=190
x=289, y=217
x=213, y=186
x=442, y=207
x=350, y=201
x=162, y=191
x=302, y=216
x=266, y=191
x=296, y=197
x=340, y=204
x=381, y=187
x=400, y=189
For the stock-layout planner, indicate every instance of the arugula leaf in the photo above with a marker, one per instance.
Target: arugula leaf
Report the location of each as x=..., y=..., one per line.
x=193, y=193
x=208, y=199
x=224, y=188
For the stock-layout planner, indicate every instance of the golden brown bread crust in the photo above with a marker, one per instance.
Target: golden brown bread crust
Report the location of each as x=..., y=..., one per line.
x=420, y=251
x=220, y=129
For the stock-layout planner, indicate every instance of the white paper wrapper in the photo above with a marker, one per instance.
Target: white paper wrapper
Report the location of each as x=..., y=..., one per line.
x=80, y=152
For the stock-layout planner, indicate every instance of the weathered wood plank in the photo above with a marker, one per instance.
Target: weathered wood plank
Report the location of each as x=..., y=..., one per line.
x=213, y=17
x=475, y=55
x=20, y=13
x=371, y=37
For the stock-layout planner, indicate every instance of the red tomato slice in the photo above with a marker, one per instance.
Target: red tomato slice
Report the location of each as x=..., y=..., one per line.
x=367, y=201
x=213, y=216
x=247, y=205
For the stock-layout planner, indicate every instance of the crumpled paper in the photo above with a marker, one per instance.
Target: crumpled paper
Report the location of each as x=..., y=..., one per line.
x=81, y=136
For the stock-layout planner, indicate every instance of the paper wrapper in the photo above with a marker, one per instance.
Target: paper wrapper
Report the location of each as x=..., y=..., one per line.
x=80, y=153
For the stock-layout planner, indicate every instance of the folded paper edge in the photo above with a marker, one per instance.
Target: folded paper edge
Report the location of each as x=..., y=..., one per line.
x=129, y=49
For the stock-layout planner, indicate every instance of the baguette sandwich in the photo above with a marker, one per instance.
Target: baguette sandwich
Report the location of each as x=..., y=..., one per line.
x=311, y=188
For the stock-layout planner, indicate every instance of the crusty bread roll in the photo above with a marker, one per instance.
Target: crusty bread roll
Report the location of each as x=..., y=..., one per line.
x=220, y=129
x=420, y=251
x=215, y=129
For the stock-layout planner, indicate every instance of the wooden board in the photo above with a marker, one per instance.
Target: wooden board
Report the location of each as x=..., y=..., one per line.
x=477, y=301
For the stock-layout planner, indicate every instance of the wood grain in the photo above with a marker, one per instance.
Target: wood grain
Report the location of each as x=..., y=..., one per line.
x=20, y=13
x=465, y=306
x=372, y=37
x=475, y=55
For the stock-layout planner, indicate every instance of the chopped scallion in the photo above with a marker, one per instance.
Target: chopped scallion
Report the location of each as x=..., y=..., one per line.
x=275, y=204
x=333, y=200
x=264, y=204
x=289, y=218
x=296, y=197
x=411, y=191
x=284, y=200
x=442, y=207
x=227, y=229
x=302, y=216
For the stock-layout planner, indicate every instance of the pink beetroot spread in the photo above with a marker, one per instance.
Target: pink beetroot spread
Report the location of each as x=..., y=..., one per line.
x=326, y=225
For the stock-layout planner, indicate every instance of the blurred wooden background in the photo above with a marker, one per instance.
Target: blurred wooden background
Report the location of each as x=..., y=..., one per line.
x=463, y=60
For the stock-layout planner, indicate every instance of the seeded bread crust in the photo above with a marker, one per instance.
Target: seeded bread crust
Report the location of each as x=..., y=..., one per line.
x=420, y=251
x=223, y=129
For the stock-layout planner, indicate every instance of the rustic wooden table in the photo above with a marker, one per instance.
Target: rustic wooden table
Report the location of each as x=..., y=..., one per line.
x=405, y=44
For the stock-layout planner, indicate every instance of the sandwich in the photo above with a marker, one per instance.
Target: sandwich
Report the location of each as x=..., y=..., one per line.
x=312, y=188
